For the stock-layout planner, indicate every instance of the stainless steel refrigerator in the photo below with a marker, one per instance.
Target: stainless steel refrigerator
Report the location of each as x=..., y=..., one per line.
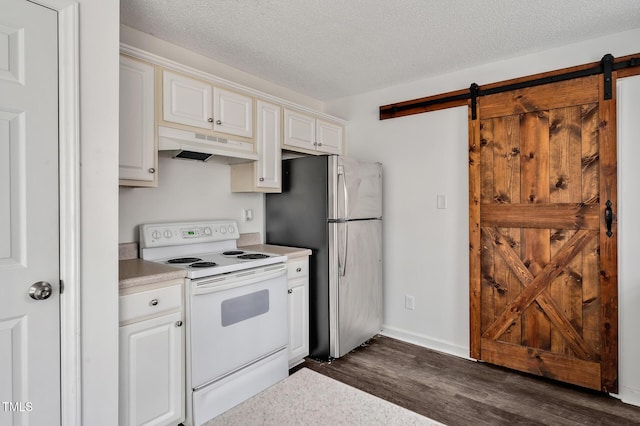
x=333, y=206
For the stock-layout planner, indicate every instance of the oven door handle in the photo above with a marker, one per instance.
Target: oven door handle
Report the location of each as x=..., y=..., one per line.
x=239, y=279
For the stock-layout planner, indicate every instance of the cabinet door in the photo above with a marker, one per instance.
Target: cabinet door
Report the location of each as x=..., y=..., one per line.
x=151, y=371
x=268, y=146
x=299, y=130
x=298, y=319
x=137, y=130
x=233, y=113
x=186, y=101
x=329, y=137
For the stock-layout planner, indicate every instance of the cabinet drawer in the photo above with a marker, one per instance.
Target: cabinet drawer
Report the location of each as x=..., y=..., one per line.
x=297, y=268
x=150, y=302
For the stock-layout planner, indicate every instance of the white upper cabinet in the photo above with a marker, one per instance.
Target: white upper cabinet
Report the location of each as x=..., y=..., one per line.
x=233, y=113
x=268, y=144
x=311, y=134
x=300, y=130
x=138, y=155
x=186, y=101
x=197, y=103
x=265, y=174
x=329, y=137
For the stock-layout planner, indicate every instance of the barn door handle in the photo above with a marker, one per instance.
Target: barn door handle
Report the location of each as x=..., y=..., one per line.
x=608, y=217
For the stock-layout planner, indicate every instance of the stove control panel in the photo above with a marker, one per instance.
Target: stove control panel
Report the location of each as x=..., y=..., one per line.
x=181, y=233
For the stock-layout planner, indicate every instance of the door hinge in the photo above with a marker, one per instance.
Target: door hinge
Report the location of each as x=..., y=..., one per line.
x=61, y=286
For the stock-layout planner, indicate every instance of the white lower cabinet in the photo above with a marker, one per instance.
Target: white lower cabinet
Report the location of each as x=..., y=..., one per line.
x=152, y=390
x=298, y=305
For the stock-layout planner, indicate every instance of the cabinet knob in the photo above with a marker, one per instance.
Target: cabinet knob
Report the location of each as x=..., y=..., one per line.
x=178, y=323
x=219, y=122
x=152, y=170
x=298, y=269
x=210, y=120
x=315, y=144
x=153, y=302
x=290, y=291
x=319, y=143
x=261, y=179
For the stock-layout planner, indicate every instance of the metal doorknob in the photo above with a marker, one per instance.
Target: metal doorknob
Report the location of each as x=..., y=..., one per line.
x=40, y=290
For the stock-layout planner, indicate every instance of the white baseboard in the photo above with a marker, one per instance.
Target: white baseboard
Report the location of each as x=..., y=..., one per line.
x=426, y=341
x=629, y=395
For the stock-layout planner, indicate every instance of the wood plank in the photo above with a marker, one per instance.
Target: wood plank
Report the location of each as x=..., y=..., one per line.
x=590, y=298
x=564, y=327
x=505, y=192
x=535, y=250
x=608, y=244
x=474, y=239
x=547, y=216
x=542, y=363
x=565, y=146
x=538, y=98
x=490, y=285
x=539, y=283
x=487, y=143
x=394, y=111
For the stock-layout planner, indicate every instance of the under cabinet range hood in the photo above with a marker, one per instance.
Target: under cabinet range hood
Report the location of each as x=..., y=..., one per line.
x=198, y=146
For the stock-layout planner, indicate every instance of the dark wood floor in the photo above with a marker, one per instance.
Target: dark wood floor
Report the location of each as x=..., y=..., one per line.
x=456, y=391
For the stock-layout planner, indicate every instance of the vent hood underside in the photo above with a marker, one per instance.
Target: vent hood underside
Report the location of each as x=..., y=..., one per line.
x=198, y=146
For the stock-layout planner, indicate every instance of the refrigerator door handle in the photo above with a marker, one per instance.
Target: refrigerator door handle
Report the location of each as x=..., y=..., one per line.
x=345, y=194
x=342, y=266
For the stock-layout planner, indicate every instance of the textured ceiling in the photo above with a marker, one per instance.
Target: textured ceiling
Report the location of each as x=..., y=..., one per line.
x=328, y=49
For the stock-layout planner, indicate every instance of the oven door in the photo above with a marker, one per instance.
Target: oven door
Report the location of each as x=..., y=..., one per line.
x=235, y=320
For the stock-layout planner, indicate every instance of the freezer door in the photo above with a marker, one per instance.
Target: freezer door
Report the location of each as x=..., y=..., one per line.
x=357, y=186
x=356, y=284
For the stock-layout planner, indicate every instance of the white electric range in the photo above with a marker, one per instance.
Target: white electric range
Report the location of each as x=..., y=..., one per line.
x=236, y=312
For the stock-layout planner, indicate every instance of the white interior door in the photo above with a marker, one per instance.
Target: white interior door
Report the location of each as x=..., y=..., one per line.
x=29, y=225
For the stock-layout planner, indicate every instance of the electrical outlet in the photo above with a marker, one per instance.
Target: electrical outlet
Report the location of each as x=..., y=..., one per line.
x=409, y=302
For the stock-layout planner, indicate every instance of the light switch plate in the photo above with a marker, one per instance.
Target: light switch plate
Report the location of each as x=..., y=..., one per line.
x=441, y=201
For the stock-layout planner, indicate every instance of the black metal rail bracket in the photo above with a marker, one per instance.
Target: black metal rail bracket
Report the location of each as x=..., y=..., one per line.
x=607, y=68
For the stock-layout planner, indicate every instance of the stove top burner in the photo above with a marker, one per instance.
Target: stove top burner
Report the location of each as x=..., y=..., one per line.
x=184, y=260
x=232, y=252
x=252, y=256
x=203, y=264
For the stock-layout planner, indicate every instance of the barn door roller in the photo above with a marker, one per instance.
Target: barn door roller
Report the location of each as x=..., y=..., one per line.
x=607, y=68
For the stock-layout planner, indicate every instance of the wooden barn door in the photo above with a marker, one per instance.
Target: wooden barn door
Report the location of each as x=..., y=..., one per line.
x=543, y=265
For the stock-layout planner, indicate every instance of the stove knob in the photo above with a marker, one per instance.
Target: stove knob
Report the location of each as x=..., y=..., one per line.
x=232, y=229
x=156, y=235
x=167, y=234
x=223, y=230
x=207, y=231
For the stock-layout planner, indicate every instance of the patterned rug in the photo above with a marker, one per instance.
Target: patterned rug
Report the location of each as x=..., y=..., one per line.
x=309, y=398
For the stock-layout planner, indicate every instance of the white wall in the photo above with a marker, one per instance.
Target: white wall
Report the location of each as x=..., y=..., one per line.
x=188, y=190
x=426, y=249
x=99, y=80
x=628, y=232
